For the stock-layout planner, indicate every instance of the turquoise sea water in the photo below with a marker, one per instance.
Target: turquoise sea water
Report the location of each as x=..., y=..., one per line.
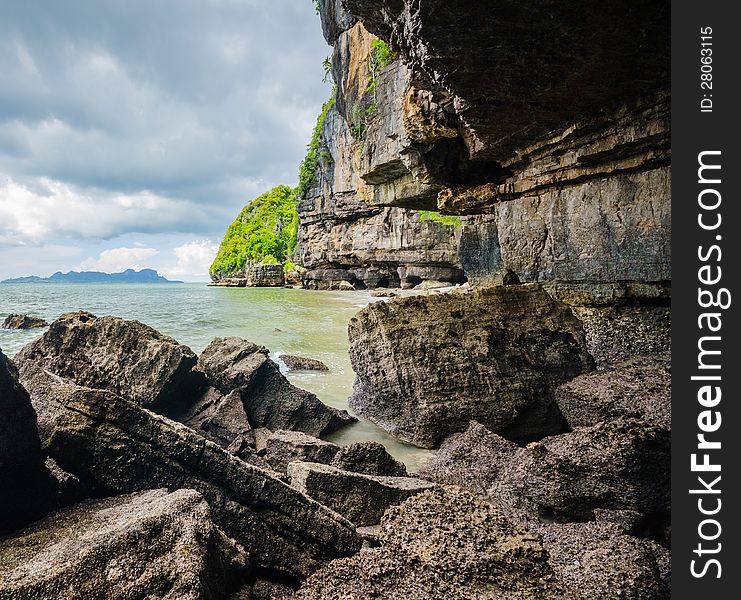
x=304, y=322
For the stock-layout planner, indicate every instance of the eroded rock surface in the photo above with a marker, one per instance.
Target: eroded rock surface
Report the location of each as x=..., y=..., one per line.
x=361, y=498
x=114, y=446
x=426, y=366
x=143, y=545
x=370, y=458
x=639, y=387
x=284, y=447
x=125, y=357
x=302, y=363
x=444, y=543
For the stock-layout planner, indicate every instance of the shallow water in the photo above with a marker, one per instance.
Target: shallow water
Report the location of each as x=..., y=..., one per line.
x=304, y=322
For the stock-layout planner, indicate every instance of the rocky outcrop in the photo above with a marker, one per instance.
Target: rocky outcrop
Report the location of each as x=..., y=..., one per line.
x=472, y=459
x=148, y=544
x=619, y=465
x=267, y=275
x=269, y=399
x=428, y=365
x=28, y=490
x=284, y=447
x=361, y=498
x=125, y=357
x=342, y=237
x=443, y=543
x=596, y=560
x=114, y=446
x=370, y=458
x=301, y=363
x=23, y=322
x=638, y=388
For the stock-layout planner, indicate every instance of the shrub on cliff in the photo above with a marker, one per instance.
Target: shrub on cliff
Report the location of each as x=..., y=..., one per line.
x=265, y=231
x=307, y=172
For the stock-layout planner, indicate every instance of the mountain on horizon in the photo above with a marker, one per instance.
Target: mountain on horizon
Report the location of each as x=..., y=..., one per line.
x=127, y=276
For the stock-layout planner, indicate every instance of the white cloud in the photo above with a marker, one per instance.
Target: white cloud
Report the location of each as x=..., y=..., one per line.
x=33, y=214
x=116, y=260
x=194, y=259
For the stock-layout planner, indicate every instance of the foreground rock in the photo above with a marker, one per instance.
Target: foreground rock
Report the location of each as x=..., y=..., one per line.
x=445, y=543
x=639, y=387
x=370, y=458
x=596, y=560
x=361, y=498
x=269, y=399
x=619, y=465
x=427, y=365
x=27, y=489
x=127, y=358
x=301, y=363
x=150, y=544
x=284, y=447
x=23, y=322
x=472, y=459
x=114, y=447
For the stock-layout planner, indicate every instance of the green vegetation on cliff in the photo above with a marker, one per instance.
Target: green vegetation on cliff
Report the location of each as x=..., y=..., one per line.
x=431, y=215
x=307, y=172
x=264, y=232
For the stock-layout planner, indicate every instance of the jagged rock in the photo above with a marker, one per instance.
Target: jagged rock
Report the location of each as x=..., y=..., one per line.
x=269, y=399
x=125, y=357
x=619, y=465
x=370, y=458
x=427, y=365
x=222, y=419
x=360, y=498
x=472, y=459
x=23, y=322
x=114, y=446
x=144, y=545
x=618, y=332
x=444, y=543
x=639, y=387
x=596, y=560
x=28, y=490
x=301, y=363
x=283, y=447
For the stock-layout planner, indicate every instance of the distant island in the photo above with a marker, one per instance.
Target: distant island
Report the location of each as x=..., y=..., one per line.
x=128, y=276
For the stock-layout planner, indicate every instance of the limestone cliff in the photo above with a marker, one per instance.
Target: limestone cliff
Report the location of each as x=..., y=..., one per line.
x=556, y=138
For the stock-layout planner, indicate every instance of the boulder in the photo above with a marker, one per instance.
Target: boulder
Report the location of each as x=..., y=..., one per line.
x=283, y=447
x=269, y=399
x=28, y=490
x=127, y=358
x=361, y=498
x=151, y=544
x=222, y=419
x=443, y=543
x=23, y=322
x=472, y=459
x=427, y=365
x=619, y=465
x=370, y=458
x=114, y=446
x=639, y=387
x=301, y=363
x=597, y=560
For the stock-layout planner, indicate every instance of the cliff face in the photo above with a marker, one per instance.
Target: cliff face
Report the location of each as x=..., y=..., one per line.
x=560, y=149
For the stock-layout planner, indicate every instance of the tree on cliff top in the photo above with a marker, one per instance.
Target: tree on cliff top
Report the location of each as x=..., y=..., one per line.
x=264, y=232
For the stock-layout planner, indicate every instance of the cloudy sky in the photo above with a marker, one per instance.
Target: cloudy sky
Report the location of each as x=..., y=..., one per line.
x=133, y=131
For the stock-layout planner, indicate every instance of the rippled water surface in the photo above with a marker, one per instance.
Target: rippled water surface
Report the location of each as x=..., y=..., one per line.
x=308, y=323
